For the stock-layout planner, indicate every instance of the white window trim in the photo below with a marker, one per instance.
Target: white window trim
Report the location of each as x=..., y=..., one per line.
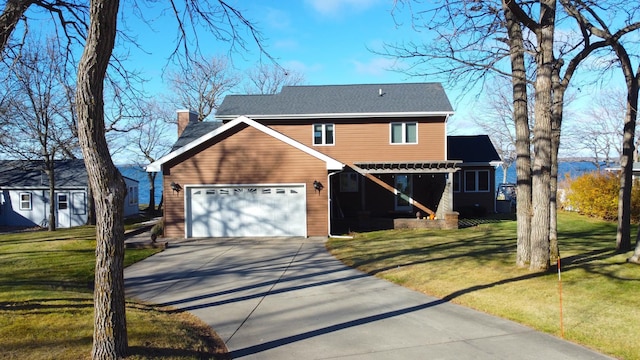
x=476, y=175
x=30, y=201
x=404, y=133
x=66, y=201
x=324, y=134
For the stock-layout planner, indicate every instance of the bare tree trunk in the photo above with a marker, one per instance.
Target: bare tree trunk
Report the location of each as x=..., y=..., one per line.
x=523, y=142
x=12, y=13
x=91, y=208
x=623, y=236
x=152, y=191
x=540, y=222
x=52, y=194
x=110, y=328
x=557, y=112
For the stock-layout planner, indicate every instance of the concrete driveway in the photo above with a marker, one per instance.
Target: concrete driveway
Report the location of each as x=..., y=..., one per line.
x=290, y=299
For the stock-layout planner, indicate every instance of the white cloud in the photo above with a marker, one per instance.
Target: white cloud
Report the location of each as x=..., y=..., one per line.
x=336, y=7
x=376, y=66
x=277, y=19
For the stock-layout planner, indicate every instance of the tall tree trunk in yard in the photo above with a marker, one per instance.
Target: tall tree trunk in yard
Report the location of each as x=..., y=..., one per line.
x=152, y=192
x=623, y=237
x=557, y=112
x=540, y=221
x=523, y=149
x=108, y=187
x=52, y=195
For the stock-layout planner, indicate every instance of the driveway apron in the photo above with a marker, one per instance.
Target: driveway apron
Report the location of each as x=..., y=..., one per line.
x=290, y=299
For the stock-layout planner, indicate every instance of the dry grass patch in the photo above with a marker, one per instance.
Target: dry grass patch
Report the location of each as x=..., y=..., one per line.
x=475, y=267
x=46, y=304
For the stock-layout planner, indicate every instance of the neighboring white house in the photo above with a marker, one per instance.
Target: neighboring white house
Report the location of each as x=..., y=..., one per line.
x=24, y=194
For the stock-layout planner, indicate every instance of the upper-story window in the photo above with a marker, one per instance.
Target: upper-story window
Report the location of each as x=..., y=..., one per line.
x=404, y=133
x=323, y=134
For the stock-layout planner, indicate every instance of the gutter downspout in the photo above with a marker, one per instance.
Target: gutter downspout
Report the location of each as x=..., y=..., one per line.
x=329, y=204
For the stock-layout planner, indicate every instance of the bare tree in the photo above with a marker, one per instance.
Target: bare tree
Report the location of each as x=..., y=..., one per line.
x=270, y=78
x=469, y=34
x=150, y=140
x=599, y=134
x=592, y=17
x=496, y=119
x=38, y=117
x=203, y=85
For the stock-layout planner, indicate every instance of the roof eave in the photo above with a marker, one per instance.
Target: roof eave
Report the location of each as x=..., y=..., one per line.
x=447, y=114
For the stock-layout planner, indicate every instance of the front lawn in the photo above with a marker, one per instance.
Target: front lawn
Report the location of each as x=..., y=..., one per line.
x=475, y=267
x=46, y=306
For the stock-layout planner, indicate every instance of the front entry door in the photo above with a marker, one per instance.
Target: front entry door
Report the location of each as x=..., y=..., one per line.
x=63, y=214
x=404, y=192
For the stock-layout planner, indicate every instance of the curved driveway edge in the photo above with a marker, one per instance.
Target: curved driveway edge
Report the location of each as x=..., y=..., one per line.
x=290, y=299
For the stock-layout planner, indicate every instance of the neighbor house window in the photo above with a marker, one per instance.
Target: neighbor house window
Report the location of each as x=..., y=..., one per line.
x=133, y=195
x=63, y=202
x=323, y=134
x=25, y=201
x=476, y=181
x=404, y=133
x=79, y=201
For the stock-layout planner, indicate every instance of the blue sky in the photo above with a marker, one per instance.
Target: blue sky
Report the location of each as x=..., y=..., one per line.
x=328, y=41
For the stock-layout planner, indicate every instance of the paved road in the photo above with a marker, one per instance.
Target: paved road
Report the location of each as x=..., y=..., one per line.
x=289, y=299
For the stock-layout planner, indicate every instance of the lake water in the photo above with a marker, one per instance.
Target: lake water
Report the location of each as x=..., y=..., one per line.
x=575, y=168
x=137, y=173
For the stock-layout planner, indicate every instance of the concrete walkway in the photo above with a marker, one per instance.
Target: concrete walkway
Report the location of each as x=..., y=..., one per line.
x=290, y=299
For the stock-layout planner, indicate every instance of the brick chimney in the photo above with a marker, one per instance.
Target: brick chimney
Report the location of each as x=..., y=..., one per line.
x=185, y=117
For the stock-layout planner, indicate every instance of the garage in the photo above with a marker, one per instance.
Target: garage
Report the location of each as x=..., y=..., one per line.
x=246, y=210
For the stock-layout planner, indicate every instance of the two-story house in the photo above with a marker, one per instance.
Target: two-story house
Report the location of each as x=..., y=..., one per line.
x=310, y=159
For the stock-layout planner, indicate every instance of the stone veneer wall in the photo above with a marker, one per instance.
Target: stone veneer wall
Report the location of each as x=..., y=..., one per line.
x=450, y=221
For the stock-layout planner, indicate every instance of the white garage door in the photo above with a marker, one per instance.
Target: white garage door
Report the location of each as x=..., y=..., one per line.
x=239, y=211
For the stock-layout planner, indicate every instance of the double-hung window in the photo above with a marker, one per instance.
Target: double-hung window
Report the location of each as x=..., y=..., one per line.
x=476, y=181
x=404, y=133
x=25, y=201
x=323, y=134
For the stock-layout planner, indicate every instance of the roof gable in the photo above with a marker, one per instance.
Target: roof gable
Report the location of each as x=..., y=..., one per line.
x=24, y=173
x=331, y=163
x=472, y=149
x=363, y=100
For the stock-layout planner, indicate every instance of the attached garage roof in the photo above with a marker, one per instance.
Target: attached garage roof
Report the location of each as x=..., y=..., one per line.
x=156, y=166
x=340, y=101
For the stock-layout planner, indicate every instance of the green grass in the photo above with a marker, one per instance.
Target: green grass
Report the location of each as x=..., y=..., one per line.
x=475, y=267
x=46, y=306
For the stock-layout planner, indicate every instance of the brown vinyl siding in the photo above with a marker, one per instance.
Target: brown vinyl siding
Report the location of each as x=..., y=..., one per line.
x=362, y=140
x=247, y=157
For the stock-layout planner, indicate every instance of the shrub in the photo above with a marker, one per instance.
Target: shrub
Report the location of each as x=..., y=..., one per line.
x=596, y=194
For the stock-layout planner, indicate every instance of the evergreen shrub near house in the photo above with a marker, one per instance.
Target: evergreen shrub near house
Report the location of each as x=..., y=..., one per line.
x=595, y=194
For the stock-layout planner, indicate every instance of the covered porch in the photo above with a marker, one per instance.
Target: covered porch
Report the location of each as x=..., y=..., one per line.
x=370, y=196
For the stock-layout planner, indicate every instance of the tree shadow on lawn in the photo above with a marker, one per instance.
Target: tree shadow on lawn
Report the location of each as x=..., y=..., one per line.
x=590, y=251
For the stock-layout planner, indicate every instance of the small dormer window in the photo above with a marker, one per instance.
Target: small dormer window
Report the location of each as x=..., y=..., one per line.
x=323, y=134
x=404, y=133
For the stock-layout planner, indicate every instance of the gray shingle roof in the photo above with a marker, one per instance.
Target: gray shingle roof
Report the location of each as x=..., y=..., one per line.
x=22, y=173
x=195, y=130
x=471, y=149
x=340, y=99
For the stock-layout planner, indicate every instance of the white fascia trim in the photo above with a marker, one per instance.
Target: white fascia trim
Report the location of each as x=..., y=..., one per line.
x=332, y=164
x=341, y=115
